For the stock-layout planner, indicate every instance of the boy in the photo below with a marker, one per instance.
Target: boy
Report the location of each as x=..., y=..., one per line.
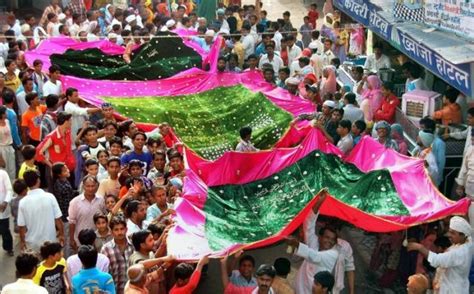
x=53, y=85
x=346, y=143
x=283, y=74
x=28, y=152
x=313, y=14
x=116, y=146
x=158, y=173
x=451, y=111
x=245, y=145
x=269, y=75
x=357, y=130
x=109, y=129
x=176, y=164
x=102, y=231
x=252, y=62
x=31, y=130
x=51, y=272
x=93, y=145
x=20, y=188
x=39, y=78
x=160, y=209
x=165, y=132
x=108, y=113
x=305, y=31
x=187, y=280
x=111, y=185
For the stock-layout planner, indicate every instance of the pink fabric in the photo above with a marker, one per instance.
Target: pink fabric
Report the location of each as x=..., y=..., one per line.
x=372, y=98
x=329, y=84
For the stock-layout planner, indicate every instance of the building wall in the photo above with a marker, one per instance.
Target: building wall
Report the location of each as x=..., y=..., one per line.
x=40, y=4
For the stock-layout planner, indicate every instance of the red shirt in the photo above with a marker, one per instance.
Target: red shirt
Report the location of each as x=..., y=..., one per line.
x=313, y=17
x=59, y=149
x=189, y=287
x=387, y=109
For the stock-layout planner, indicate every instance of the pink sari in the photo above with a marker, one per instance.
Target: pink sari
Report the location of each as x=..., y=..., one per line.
x=372, y=98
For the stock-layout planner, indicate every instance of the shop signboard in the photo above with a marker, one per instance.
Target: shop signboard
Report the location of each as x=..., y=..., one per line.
x=367, y=14
x=456, y=16
x=457, y=75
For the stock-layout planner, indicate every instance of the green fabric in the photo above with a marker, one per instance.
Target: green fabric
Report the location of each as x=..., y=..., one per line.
x=209, y=122
x=255, y=211
x=207, y=9
x=159, y=58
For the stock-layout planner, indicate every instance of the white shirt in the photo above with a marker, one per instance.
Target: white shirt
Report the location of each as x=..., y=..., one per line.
x=276, y=62
x=79, y=116
x=50, y=88
x=6, y=192
x=270, y=291
x=293, y=53
x=22, y=105
x=345, y=144
x=23, y=286
x=455, y=264
x=74, y=265
x=248, y=43
x=276, y=38
x=133, y=228
x=466, y=174
x=353, y=113
x=327, y=57
x=38, y=212
x=318, y=44
x=315, y=261
x=374, y=64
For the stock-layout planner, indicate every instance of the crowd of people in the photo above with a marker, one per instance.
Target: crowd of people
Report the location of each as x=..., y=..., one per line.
x=91, y=197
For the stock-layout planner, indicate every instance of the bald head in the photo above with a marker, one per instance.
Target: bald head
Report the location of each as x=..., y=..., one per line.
x=137, y=274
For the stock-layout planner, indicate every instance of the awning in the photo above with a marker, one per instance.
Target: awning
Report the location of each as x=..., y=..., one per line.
x=445, y=54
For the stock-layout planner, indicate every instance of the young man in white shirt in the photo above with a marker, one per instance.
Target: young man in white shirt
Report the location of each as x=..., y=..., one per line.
x=377, y=60
x=327, y=54
x=248, y=41
x=346, y=143
x=53, y=85
x=265, y=275
x=293, y=51
x=271, y=58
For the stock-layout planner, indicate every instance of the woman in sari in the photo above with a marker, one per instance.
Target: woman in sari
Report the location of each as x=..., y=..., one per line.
x=357, y=41
x=372, y=97
x=328, y=83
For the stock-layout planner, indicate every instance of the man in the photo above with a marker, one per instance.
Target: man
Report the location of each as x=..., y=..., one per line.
x=280, y=283
x=90, y=279
x=465, y=178
x=417, y=284
x=79, y=114
x=294, y=52
x=136, y=213
x=414, y=81
x=82, y=209
x=323, y=283
x=139, y=153
x=30, y=120
x=48, y=121
x=21, y=96
x=241, y=280
x=137, y=280
x=86, y=238
x=6, y=194
x=316, y=46
x=271, y=58
x=321, y=253
x=346, y=143
x=56, y=146
x=351, y=111
x=327, y=53
x=265, y=275
x=38, y=215
x=248, y=42
x=53, y=85
x=292, y=85
x=377, y=60
x=454, y=264
x=39, y=78
x=186, y=278
x=26, y=265
x=438, y=147
x=206, y=42
x=466, y=134
x=118, y=251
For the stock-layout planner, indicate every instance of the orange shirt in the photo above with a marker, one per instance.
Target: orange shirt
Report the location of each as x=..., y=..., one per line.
x=32, y=120
x=449, y=114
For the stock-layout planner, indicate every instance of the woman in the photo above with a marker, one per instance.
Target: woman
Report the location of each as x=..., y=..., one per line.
x=341, y=44
x=328, y=83
x=397, y=135
x=357, y=41
x=6, y=141
x=372, y=97
x=327, y=29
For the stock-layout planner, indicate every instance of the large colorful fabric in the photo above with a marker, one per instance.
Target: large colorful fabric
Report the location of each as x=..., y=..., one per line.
x=253, y=200
x=153, y=60
x=209, y=122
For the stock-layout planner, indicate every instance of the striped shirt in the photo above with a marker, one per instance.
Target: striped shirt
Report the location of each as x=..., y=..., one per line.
x=118, y=263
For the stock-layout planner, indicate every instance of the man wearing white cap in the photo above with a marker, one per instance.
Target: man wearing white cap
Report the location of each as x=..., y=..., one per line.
x=169, y=26
x=206, y=41
x=131, y=22
x=452, y=266
x=292, y=85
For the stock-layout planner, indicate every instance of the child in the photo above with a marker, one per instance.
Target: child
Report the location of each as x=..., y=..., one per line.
x=28, y=153
x=102, y=230
x=91, y=167
x=116, y=146
x=155, y=144
x=158, y=174
x=93, y=145
x=103, y=157
x=283, y=74
x=245, y=145
x=451, y=112
x=110, y=129
x=252, y=62
x=176, y=163
x=51, y=271
x=111, y=184
x=269, y=75
x=357, y=130
x=160, y=209
x=20, y=188
x=108, y=113
x=346, y=143
x=305, y=31
x=187, y=280
x=165, y=131
x=62, y=188
x=313, y=14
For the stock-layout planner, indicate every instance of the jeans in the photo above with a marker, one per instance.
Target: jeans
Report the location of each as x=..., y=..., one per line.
x=6, y=234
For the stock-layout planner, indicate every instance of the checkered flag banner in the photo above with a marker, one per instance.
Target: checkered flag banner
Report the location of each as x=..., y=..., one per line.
x=402, y=11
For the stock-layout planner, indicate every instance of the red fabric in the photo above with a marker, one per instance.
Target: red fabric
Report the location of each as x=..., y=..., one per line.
x=60, y=149
x=88, y=4
x=190, y=286
x=313, y=17
x=387, y=109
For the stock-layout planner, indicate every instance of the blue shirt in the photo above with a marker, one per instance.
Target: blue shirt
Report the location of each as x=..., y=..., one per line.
x=260, y=50
x=13, y=120
x=92, y=280
x=146, y=158
x=439, y=151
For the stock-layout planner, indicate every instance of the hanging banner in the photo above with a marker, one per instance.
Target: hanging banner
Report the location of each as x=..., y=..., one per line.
x=454, y=15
